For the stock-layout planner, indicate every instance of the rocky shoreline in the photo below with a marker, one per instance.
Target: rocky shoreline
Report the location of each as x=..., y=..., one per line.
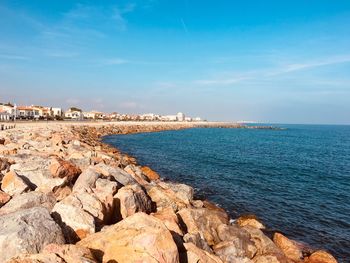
x=67, y=197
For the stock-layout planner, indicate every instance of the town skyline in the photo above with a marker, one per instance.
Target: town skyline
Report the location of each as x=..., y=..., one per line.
x=276, y=62
x=11, y=112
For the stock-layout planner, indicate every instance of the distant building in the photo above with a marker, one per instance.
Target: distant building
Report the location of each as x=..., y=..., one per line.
x=197, y=119
x=25, y=112
x=94, y=115
x=180, y=116
x=57, y=112
x=169, y=118
x=5, y=116
x=188, y=119
x=74, y=114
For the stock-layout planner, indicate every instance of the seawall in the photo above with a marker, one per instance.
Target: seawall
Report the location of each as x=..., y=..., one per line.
x=67, y=197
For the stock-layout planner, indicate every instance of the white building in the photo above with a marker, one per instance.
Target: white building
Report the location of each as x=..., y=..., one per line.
x=169, y=118
x=5, y=116
x=94, y=115
x=57, y=112
x=74, y=115
x=188, y=119
x=180, y=116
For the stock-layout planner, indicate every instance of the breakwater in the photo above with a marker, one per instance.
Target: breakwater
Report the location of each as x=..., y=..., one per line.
x=68, y=197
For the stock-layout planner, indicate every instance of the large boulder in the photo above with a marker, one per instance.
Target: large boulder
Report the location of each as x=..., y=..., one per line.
x=264, y=245
x=138, y=238
x=132, y=199
x=35, y=170
x=250, y=220
x=137, y=174
x=176, y=196
x=204, y=221
x=73, y=215
x=289, y=247
x=235, y=243
x=149, y=173
x=118, y=174
x=170, y=220
x=194, y=254
x=86, y=181
x=60, y=168
x=321, y=256
x=29, y=200
x=27, y=231
x=105, y=190
x=13, y=184
x=71, y=253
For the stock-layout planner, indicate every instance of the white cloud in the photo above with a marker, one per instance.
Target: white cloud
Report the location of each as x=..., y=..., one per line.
x=14, y=57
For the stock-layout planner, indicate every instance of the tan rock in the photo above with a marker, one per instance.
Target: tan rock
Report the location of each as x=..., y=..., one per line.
x=86, y=181
x=170, y=220
x=118, y=174
x=176, y=196
x=266, y=259
x=149, y=173
x=75, y=221
x=62, y=192
x=236, y=242
x=250, y=220
x=64, y=169
x=321, y=256
x=13, y=184
x=230, y=251
x=138, y=238
x=289, y=247
x=4, y=198
x=105, y=190
x=132, y=199
x=4, y=165
x=204, y=221
x=196, y=255
x=70, y=253
x=264, y=245
x=137, y=174
x=37, y=258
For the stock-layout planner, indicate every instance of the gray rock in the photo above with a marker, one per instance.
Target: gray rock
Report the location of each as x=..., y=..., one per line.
x=27, y=231
x=86, y=181
x=118, y=174
x=36, y=171
x=29, y=200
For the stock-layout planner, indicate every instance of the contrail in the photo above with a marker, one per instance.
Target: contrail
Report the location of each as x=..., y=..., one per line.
x=184, y=26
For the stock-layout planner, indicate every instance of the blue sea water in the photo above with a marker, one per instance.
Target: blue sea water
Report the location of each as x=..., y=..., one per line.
x=296, y=180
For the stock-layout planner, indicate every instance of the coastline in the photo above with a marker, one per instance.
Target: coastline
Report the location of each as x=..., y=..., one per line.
x=190, y=230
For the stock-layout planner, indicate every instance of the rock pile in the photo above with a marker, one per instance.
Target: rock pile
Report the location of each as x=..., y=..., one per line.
x=66, y=197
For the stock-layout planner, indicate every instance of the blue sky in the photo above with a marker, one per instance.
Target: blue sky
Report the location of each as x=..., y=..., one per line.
x=272, y=61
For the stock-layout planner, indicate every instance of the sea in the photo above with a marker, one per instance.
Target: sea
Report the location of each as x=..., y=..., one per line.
x=296, y=180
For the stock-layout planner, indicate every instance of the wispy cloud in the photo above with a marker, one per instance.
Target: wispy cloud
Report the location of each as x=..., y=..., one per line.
x=184, y=26
x=219, y=81
x=13, y=57
x=114, y=61
x=119, y=15
x=311, y=64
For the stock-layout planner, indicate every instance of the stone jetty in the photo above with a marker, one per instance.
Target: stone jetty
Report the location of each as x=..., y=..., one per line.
x=67, y=198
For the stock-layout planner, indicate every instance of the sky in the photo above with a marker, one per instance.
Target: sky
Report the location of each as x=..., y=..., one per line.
x=268, y=61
